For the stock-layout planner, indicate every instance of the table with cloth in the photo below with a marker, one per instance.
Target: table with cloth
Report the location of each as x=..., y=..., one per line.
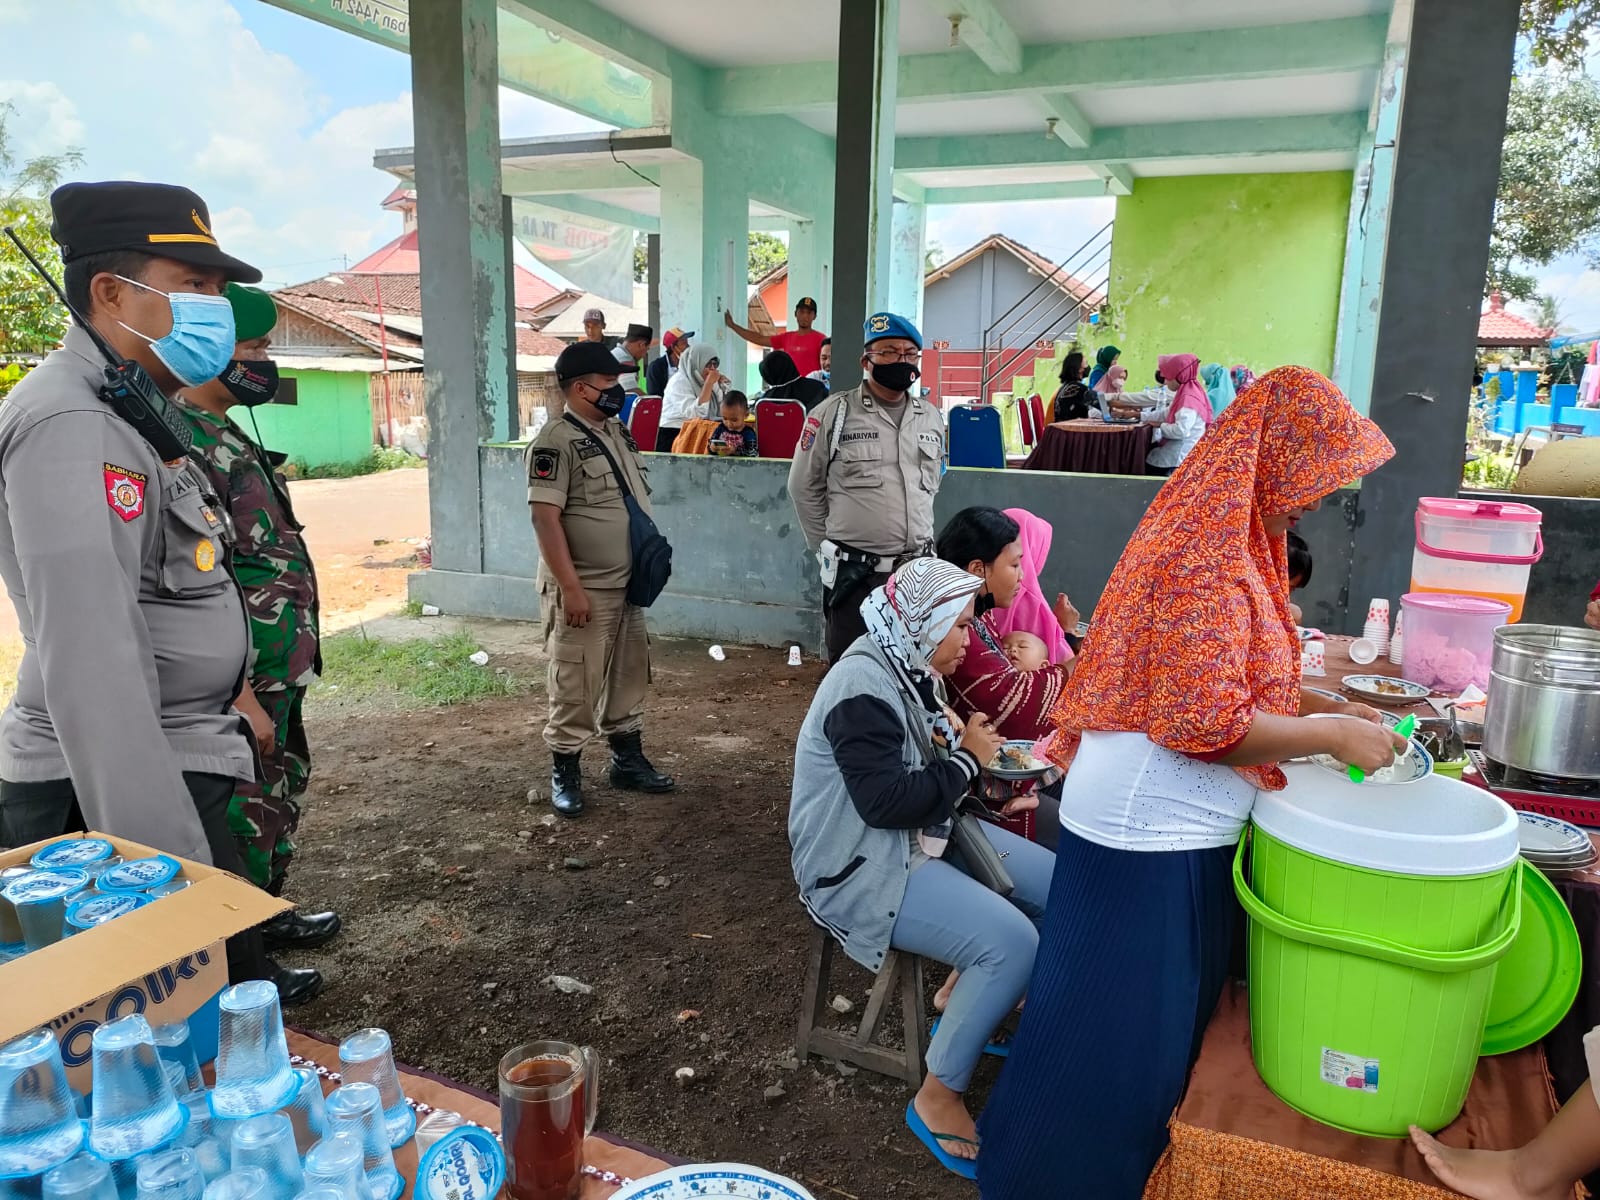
x=1091, y=447
x=1232, y=1139
x=609, y=1162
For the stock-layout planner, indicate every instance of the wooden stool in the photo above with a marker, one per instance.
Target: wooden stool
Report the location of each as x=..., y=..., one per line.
x=858, y=1048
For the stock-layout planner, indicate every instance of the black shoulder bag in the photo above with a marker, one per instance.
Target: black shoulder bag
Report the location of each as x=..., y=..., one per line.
x=652, y=553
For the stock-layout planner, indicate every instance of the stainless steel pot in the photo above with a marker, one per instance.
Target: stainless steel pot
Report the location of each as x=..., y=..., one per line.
x=1544, y=700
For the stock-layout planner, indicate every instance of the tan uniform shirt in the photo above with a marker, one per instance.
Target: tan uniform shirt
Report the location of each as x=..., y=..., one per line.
x=569, y=471
x=870, y=482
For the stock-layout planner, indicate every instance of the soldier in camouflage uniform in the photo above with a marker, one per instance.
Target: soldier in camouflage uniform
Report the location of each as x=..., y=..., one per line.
x=274, y=570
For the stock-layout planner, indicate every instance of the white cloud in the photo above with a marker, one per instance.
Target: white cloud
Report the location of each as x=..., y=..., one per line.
x=1576, y=289
x=46, y=120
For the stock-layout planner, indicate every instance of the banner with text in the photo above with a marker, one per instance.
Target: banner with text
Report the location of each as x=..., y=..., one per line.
x=593, y=255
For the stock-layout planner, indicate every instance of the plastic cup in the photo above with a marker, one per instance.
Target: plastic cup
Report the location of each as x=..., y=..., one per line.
x=41, y=899
x=205, y=1135
x=367, y=1056
x=1363, y=651
x=171, y=1175
x=134, y=1109
x=267, y=1143
x=436, y=1125
x=321, y=1193
x=358, y=1109
x=10, y=931
x=306, y=1111
x=253, y=1071
x=248, y=1184
x=74, y=853
x=82, y=1177
x=173, y=1046
x=39, y=1126
x=338, y=1162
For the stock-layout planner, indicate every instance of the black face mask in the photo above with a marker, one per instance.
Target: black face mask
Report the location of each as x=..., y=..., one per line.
x=610, y=400
x=251, y=381
x=896, y=376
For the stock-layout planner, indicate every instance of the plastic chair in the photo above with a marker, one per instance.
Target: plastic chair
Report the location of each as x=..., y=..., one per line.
x=1025, y=420
x=645, y=421
x=778, y=426
x=1036, y=403
x=975, y=437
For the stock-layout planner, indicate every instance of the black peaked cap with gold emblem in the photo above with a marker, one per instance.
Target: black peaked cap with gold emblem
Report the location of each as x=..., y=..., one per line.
x=155, y=218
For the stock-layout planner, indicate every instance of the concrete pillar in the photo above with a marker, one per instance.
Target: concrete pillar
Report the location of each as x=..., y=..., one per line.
x=704, y=252
x=805, y=267
x=1446, y=170
x=508, y=224
x=908, y=249
x=652, y=271
x=456, y=115
x=864, y=175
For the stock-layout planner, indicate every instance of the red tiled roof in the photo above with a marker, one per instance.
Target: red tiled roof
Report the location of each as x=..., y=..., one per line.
x=400, y=257
x=1498, y=327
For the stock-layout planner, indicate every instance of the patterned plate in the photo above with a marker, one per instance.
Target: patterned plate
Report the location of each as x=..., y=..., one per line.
x=1542, y=837
x=1381, y=689
x=1018, y=774
x=714, y=1181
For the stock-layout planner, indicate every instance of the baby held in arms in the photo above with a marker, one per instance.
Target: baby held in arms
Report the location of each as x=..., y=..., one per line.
x=1026, y=651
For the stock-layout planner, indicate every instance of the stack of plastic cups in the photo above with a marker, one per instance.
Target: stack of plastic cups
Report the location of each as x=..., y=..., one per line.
x=358, y=1108
x=1397, y=642
x=134, y=1112
x=39, y=1126
x=41, y=899
x=338, y=1163
x=367, y=1056
x=173, y=1046
x=267, y=1144
x=11, y=943
x=248, y=1184
x=253, y=1071
x=83, y=1177
x=205, y=1135
x=171, y=1175
x=1376, y=630
x=321, y=1193
x=305, y=1110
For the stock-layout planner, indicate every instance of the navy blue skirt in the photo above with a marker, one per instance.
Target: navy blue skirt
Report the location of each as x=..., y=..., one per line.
x=1131, y=963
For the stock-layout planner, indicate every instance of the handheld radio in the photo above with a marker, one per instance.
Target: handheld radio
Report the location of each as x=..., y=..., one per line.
x=128, y=388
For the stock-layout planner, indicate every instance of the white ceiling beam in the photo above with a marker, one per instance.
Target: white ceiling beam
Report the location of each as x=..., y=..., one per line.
x=1071, y=126
x=986, y=33
x=1118, y=178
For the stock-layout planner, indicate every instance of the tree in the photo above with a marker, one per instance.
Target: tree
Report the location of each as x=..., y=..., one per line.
x=32, y=320
x=767, y=253
x=1558, y=31
x=641, y=256
x=933, y=257
x=1549, y=198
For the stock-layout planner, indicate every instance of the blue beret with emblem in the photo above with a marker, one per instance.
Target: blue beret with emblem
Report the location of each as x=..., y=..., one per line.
x=889, y=325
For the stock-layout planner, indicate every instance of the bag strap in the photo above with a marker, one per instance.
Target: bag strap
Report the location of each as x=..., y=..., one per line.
x=588, y=433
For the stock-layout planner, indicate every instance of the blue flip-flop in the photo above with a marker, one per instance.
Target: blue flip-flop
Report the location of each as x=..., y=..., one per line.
x=967, y=1168
x=995, y=1046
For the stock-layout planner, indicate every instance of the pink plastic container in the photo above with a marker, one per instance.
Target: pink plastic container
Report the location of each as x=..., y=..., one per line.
x=1450, y=639
x=1476, y=548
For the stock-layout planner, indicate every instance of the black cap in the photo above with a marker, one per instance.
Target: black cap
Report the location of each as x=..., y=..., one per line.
x=586, y=358
x=155, y=218
x=806, y=302
x=639, y=333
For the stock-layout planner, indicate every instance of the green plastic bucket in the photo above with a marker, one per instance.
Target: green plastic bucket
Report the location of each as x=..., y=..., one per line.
x=1377, y=915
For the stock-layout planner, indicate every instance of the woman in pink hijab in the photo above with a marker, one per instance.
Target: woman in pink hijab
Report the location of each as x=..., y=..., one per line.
x=1030, y=612
x=1181, y=426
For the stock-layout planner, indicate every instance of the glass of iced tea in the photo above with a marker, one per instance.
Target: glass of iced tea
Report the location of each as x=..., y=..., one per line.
x=549, y=1092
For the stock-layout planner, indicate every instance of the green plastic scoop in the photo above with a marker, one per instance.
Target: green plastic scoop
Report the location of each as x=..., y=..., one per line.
x=1357, y=775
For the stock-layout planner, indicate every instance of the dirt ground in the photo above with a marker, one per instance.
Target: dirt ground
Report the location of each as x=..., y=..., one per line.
x=462, y=892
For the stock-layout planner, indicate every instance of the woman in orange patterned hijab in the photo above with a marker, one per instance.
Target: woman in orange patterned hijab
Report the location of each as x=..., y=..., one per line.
x=1186, y=696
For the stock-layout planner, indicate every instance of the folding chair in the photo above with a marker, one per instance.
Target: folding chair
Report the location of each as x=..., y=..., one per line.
x=975, y=437
x=645, y=421
x=1036, y=404
x=778, y=426
x=1025, y=420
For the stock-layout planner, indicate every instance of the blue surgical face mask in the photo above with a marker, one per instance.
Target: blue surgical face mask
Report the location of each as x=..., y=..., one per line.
x=200, y=346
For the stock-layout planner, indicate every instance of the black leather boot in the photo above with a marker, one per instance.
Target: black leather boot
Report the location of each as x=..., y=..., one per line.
x=631, y=770
x=296, y=985
x=295, y=930
x=566, y=785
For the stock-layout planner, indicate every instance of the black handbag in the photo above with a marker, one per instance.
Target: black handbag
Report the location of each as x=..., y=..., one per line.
x=650, y=550
x=979, y=859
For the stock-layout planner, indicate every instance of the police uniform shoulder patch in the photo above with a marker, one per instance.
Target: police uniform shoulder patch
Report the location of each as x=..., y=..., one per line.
x=125, y=491
x=808, y=434
x=627, y=436
x=545, y=464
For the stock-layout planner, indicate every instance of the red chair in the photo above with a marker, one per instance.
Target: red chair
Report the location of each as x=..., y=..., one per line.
x=778, y=426
x=1036, y=402
x=645, y=422
x=1025, y=419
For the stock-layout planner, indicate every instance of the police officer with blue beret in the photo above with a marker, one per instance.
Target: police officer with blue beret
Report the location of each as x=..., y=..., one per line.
x=865, y=474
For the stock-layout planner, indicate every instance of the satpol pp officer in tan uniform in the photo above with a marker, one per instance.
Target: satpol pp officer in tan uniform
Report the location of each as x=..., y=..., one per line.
x=865, y=474
x=599, y=653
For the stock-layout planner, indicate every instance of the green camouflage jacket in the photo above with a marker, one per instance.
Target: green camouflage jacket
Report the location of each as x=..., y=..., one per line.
x=270, y=557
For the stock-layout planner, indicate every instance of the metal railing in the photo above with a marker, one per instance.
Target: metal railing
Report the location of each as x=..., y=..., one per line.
x=1059, y=300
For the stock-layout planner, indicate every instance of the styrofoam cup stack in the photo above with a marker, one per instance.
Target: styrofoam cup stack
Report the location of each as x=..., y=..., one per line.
x=1397, y=642
x=1376, y=630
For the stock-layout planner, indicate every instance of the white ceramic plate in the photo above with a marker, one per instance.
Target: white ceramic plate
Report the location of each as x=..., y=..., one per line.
x=1369, y=687
x=1416, y=763
x=714, y=1181
x=1018, y=774
x=1546, y=837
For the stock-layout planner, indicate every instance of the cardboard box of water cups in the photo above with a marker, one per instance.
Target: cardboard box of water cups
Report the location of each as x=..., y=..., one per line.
x=164, y=960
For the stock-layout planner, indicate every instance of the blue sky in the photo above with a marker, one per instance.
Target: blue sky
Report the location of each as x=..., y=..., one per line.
x=273, y=119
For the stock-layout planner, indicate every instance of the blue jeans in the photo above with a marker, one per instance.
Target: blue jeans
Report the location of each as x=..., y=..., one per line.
x=951, y=918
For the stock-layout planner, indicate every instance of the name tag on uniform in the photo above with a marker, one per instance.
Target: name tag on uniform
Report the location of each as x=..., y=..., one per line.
x=931, y=438
x=588, y=450
x=861, y=435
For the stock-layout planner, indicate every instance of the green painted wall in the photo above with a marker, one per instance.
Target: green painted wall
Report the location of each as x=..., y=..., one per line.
x=1233, y=268
x=331, y=423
